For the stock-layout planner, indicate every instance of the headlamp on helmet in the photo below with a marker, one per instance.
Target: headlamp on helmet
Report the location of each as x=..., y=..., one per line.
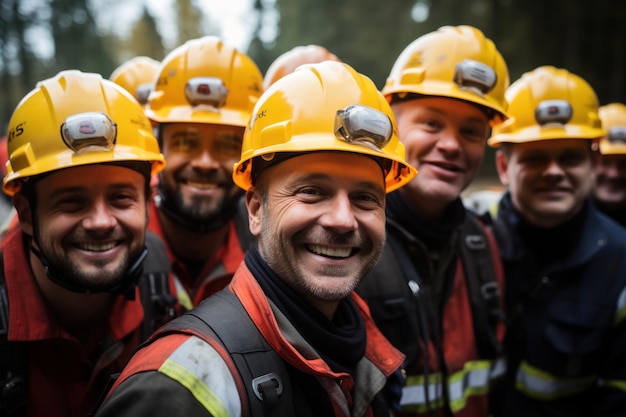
x=89, y=130
x=550, y=112
x=475, y=76
x=617, y=135
x=363, y=125
x=206, y=90
x=142, y=92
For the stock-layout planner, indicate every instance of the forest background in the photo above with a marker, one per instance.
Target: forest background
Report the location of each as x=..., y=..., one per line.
x=38, y=38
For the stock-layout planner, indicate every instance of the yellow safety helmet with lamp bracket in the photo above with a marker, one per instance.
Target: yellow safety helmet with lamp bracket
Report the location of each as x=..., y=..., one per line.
x=322, y=107
x=205, y=81
x=453, y=61
x=613, y=117
x=137, y=76
x=549, y=103
x=293, y=58
x=75, y=119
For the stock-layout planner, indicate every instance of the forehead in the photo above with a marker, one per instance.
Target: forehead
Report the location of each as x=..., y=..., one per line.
x=337, y=167
x=442, y=105
x=91, y=177
x=552, y=146
x=171, y=129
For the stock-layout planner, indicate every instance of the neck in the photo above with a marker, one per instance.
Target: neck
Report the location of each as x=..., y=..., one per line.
x=192, y=245
x=427, y=208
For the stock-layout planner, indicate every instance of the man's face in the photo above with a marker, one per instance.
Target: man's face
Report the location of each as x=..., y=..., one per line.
x=610, y=181
x=445, y=140
x=548, y=179
x=321, y=223
x=90, y=223
x=200, y=159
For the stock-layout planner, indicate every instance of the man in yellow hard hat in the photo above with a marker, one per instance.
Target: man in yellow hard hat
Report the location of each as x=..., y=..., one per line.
x=564, y=261
x=80, y=284
x=289, y=336
x=436, y=291
x=609, y=190
x=202, y=100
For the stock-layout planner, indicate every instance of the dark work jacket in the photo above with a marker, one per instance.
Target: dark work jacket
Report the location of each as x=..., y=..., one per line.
x=427, y=301
x=566, y=338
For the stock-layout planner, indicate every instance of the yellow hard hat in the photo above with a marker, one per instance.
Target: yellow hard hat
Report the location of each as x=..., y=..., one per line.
x=613, y=117
x=549, y=103
x=453, y=61
x=137, y=76
x=292, y=59
x=74, y=119
x=205, y=81
x=326, y=106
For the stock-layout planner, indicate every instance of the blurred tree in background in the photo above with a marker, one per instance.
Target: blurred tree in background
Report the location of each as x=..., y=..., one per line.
x=587, y=38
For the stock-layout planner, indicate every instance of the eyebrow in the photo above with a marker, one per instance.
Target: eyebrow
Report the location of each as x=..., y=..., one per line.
x=82, y=188
x=317, y=176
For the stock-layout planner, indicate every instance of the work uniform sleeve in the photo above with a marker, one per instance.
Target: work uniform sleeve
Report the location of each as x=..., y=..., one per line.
x=193, y=380
x=151, y=394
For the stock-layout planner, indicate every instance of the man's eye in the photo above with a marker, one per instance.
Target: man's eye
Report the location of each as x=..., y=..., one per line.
x=572, y=159
x=227, y=146
x=69, y=203
x=184, y=143
x=474, y=134
x=532, y=160
x=367, y=201
x=431, y=124
x=308, y=191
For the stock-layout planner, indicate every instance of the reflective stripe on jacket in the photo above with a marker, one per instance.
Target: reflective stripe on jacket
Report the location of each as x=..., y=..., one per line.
x=398, y=303
x=204, y=369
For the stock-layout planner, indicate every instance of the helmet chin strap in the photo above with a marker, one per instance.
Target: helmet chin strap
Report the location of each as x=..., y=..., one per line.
x=165, y=203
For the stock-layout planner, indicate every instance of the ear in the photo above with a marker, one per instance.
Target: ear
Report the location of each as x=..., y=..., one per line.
x=254, y=204
x=24, y=213
x=502, y=165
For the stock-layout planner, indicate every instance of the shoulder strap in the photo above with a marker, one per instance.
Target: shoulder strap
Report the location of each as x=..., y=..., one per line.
x=158, y=302
x=478, y=248
x=13, y=363
x=262, y=371
x=391, y=291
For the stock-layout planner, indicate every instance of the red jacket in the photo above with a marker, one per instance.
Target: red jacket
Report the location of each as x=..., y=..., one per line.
x=447, y=372
x=146, y=387
x=216, y=273
x=65, y=376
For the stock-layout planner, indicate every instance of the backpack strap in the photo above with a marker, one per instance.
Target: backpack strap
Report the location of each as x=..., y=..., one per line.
x=13, y=363
x=480, y=254
x=159, y=304
x=391, y=291
x=262, y=371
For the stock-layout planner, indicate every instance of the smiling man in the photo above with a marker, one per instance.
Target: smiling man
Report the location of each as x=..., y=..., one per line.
x=81, y=155
x=289, y=336
x=609, y=191
x=564, y=261
x=446, y=90
x=201, y=102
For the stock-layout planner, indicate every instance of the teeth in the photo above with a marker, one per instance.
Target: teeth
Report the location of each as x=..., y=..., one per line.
x=334, y=252
x=96, y=247
x=201, y=185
